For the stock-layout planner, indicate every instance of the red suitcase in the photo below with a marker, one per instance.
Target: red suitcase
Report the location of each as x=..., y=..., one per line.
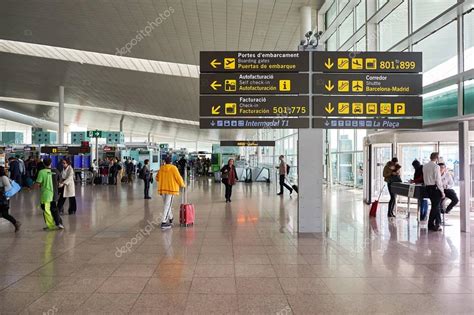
x=375, y=205
x=186, y=211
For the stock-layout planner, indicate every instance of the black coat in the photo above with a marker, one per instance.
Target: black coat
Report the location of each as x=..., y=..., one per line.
x=225, y=169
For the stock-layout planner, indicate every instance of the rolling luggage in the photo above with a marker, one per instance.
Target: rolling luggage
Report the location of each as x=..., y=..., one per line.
x=375, y=205
x=293, y=186
x=186, y=211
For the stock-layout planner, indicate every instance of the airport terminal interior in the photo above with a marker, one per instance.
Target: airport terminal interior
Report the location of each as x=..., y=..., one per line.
x=202, y=157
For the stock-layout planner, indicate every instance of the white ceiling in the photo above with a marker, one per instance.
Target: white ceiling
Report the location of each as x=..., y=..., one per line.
x=103, y=26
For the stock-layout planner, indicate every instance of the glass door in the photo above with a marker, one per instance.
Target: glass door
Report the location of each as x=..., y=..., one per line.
x=381, y=154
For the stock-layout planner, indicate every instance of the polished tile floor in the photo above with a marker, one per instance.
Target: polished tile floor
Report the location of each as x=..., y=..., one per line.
x=238, y=258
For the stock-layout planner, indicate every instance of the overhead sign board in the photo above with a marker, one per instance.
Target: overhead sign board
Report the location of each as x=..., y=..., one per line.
x=254, y=61
x=94, y=134
x=368, y=84
x=378, y=62
x=253, y=83
x=368, y=123
x=254, y=105
x=247, y=143
x=369, y=106
x=65, y=150
x=253, y=123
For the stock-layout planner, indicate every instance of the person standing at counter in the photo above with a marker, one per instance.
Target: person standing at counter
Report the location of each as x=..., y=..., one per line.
x=391, y=174
x=435, y=190
x=448, y=184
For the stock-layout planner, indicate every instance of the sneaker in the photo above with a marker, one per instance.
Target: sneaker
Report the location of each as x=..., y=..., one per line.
x=17, y=226
x=165, y=226
x=60, y=227
x=279, y=194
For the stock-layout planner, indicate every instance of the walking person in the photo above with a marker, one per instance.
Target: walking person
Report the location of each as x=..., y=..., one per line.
x=283, y=171
x=448, y=184
x=67, y=188
x=391, y=174
x=169, y=182
x=147, y=176
x=4, y=201
x=14, y=169
x=229, y=178
x=129, y=169
x=435, y=190
x=45, y=180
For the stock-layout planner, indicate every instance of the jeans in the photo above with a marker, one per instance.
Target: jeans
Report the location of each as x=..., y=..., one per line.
x=4, y=213
x=451, y=194
x=283, y=184
x=435, y=213
x=167, y=208
x=228, y=189
x=391, y=203
x=147, y=188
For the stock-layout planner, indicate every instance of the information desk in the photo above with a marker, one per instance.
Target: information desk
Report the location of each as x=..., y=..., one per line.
x=410, y=191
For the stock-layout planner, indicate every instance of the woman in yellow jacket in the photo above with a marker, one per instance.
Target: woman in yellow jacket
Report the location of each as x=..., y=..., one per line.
x=169, y=182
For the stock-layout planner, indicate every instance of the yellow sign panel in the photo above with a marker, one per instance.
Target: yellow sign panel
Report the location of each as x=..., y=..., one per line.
x=231, y=108
x=357, y=108
x=343, y=86
x=399, y=108
x=371, y=63
x=230, y=85
x=371, y=108
x=229, y=63
x=357, y=63
x=385, y=108
x=343, y=108
x=343, y=63
x=357, y=86
x=285, y=85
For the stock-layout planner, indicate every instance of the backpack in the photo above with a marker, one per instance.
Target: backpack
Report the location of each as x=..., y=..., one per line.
x=287, y=169
x=141, y=174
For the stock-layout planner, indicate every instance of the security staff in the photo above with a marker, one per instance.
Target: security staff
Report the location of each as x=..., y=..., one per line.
x=435, y=190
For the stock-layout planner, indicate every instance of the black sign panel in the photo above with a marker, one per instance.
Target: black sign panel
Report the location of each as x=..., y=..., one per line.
x=408, y=62
x=370, y=106
x=239, y=106
x=254, y=61
x=368, y=123
x=253, y=123
x=253, y=83
x=66, y=150
x=247, y=143
x=371, y=84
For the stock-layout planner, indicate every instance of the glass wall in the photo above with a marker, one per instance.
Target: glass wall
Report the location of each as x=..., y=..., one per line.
x=346, y=156
x=469, y=41
x=439, y=54
x=426, y=10
x=346, y=29
x=394, y=27
x=360, y=14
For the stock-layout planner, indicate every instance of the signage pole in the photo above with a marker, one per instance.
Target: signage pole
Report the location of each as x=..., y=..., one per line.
x=97, y=149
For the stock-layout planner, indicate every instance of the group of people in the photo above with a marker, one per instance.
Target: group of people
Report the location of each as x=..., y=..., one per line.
x=22, y=171
x=112, y=171
x=56, y=186
x=437, y=180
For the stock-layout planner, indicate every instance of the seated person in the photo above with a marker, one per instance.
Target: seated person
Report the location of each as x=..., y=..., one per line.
x=448, y=183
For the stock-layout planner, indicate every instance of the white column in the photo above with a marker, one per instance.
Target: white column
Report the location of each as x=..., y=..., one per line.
x=310, y=164
x=464, y=176
x=61, y=116
x=310, y=178
x=305, y=17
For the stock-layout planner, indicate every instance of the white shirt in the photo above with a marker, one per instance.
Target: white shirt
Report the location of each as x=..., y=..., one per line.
x=432, y=175
x=447, y=180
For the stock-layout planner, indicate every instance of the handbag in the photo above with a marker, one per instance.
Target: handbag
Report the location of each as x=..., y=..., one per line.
x=15, y=188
